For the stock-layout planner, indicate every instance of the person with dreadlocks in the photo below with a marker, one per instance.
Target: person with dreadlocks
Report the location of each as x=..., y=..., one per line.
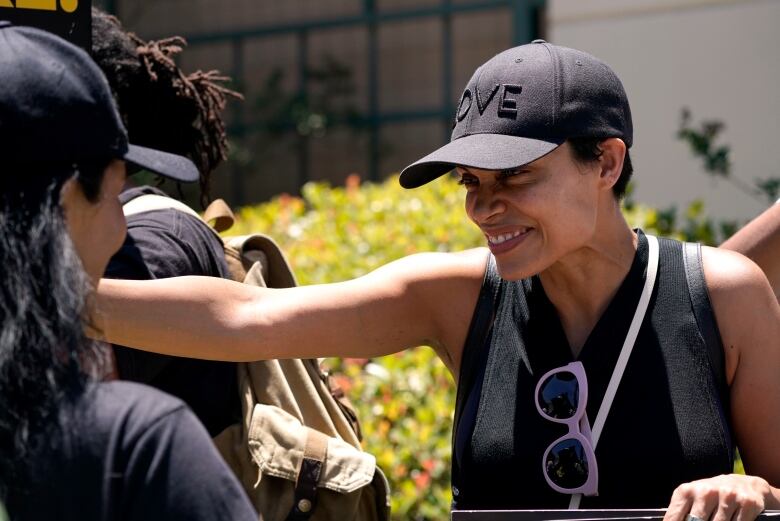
x=165, y=108
x=73, y=447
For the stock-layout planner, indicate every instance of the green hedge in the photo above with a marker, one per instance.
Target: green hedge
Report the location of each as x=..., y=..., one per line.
x=405, y=401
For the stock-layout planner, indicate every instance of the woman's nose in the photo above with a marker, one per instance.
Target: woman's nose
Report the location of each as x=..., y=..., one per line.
x=483, y=205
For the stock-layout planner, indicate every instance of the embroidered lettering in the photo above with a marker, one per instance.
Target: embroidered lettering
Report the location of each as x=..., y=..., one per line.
x=465, y=105
x=482, y=106
x=507, y=107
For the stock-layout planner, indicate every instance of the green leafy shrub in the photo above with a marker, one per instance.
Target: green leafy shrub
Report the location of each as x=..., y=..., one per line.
x=405, y=401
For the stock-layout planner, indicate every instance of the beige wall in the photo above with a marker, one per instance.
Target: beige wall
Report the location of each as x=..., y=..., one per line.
x=718, y=57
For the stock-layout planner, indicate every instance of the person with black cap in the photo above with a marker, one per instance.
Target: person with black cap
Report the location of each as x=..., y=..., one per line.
x=592, y=359
x=72, y=447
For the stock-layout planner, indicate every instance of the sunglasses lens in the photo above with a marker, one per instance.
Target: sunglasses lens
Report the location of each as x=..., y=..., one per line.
x=559, y=395
x=567, y=465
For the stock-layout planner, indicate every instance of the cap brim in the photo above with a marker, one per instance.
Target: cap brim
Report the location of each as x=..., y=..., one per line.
x=169, y=165
x=484, y=151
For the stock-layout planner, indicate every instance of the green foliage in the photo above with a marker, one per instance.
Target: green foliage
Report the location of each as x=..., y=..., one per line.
x=691, y=225
x=716, y=158
x=405, y=401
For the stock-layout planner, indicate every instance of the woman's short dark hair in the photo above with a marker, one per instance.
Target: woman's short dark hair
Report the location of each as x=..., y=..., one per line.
x=587, y=150
x=45, y=358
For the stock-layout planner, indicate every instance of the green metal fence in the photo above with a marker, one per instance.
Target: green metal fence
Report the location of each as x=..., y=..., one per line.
x=526, y=22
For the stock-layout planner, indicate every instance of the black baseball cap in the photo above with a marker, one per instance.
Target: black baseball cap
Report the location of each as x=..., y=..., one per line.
x=56, y=107
x=522, y=104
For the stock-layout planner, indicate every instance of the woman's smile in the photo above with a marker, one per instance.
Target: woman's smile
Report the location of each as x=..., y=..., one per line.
x=503, y=242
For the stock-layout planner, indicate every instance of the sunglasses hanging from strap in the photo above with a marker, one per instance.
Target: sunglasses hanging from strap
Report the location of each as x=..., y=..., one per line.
x=625, y=353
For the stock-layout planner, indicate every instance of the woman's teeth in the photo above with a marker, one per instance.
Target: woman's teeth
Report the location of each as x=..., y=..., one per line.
x=498, y=239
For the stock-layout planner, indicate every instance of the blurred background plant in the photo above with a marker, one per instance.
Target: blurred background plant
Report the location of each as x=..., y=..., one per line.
x=405, y=401
x=716, y=157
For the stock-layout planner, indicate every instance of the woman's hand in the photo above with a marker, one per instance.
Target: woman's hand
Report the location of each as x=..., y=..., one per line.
x=722, y=498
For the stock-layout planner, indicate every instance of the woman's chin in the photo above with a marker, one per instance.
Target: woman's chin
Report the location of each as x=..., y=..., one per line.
x=516, y=270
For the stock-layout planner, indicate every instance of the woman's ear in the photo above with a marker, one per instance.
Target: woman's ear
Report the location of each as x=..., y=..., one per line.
x=69, y=192
x=613, y=152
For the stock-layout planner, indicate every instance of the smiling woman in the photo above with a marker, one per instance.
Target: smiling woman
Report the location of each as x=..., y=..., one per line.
x=673, y=348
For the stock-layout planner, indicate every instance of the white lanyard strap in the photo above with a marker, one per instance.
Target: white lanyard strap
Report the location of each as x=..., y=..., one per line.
x=625, y=352
x=628, y=345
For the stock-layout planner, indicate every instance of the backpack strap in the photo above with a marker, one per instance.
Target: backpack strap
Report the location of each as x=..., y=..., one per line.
x=314, y=455
x=152, y=202
x=481, y=322
x=220, y=214
x=705, y=318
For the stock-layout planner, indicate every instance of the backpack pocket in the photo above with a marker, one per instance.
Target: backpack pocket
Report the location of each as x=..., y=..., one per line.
x=304, y=474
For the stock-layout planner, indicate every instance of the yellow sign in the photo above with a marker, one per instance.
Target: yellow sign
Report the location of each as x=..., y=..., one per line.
x=69, y=6
x=70, y=19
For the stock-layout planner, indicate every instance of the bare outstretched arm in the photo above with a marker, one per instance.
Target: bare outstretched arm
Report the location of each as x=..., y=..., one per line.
x=421, y=299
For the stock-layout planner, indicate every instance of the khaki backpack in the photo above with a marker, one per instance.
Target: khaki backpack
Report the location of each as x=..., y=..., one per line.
x=297, y=452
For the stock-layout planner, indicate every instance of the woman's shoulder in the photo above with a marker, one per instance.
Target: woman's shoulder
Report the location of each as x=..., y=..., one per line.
x=433, y=272
x=736, y=285
x=746, y=309
x=729, y=271
x=468, y=263
x=443, y=288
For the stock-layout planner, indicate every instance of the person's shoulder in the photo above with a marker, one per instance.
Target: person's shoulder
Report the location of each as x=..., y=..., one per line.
x=134, y=192
x=467, y=264
x=109, y=418
x=744, y=305
x=131, y=405
x=161, y=219
x=732, y=275
x=166, y=242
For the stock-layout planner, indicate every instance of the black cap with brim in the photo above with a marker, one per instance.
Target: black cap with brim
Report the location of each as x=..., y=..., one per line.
x=56, y=106
x=484, y=151
x=169, y=165
x=522, y=104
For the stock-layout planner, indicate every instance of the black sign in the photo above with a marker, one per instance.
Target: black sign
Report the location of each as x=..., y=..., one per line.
x=70, y=19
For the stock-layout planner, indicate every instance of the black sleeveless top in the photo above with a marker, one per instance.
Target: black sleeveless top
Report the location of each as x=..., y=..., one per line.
x=667, y=424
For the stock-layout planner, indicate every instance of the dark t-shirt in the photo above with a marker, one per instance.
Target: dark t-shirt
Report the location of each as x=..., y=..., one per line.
x=133, y=453
x=169, y=243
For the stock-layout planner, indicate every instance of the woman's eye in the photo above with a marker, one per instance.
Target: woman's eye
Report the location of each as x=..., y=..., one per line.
x=514, y=177
x=509, y=174
x=467, y=181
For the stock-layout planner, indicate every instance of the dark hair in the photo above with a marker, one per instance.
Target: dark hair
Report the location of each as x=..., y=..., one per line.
x=161, y=106
x=587, y=150
x=45, y=358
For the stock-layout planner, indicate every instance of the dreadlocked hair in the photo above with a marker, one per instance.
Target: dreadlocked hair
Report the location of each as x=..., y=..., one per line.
x=162, y=107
